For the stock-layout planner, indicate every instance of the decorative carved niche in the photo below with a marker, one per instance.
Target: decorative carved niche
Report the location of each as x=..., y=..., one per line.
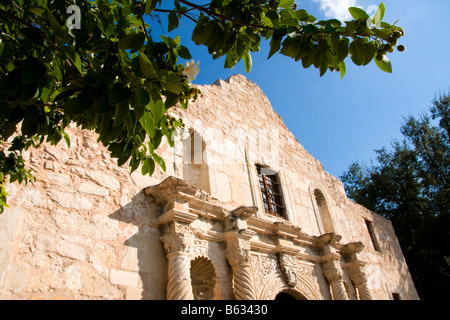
x=203, y=279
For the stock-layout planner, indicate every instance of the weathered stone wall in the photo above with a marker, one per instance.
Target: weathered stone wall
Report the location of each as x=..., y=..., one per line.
x=81, y=230
x=86, y=230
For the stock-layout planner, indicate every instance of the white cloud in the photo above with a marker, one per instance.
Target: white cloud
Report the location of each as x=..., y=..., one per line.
x=337, y=9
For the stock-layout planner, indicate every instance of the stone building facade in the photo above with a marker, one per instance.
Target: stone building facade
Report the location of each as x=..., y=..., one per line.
x=242, y=212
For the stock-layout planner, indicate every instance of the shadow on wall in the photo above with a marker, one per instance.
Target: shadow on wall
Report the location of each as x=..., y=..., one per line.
x=383, y=240
x=143, y=256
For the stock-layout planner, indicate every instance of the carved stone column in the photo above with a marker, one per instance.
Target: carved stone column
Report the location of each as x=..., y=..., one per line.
x=177, y=239
x=355, y=269
x=333, y=274
x=238, y=237
x=332, y=267
x=179, y=277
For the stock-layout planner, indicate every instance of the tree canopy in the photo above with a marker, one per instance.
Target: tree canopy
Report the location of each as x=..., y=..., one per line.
x=410, y=185
x=98, y=64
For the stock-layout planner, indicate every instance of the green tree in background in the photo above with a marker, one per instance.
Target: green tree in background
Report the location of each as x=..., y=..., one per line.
x=410, y=185
x=99, y=65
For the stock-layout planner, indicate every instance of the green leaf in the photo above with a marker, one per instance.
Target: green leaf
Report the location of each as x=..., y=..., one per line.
x=65, y=93
x=37, y=10
x=301, y=14
x=73, y=57
x=329, y=29
x=286, y=3
x=385, y=65
x=143, y=97
x=291, y=48
x=342, y=69
x=288, y=18
x=118, y=93
x=358, y=13
x=247, y=61
x=202, y=30
x=57, y=28
x=132, y=41
x=147, y=123
x=357, y=51
x=275, y=43
x=379, y=15
x=159, y=161
x=343, y=49
x=170, y=82
x=146, y=65
x=28, y=91
x=335, y=23
x=150, y=6
x=120, y=113
x=79, y=104
x=148, y=167
x=126, y=154
x=173, y=21
x=66, y=138
x=134, y=163
x=184, y=53
x=157, y=110
x=32, y=71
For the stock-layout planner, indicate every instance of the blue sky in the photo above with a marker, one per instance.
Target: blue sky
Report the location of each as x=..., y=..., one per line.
x=342, y=121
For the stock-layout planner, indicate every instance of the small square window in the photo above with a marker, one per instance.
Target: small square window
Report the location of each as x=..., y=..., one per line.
x=271, y=192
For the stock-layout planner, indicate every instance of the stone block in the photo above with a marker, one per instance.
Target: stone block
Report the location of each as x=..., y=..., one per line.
x=71, y=201
x=124, y=278
x=92, y=188
x=70, y=250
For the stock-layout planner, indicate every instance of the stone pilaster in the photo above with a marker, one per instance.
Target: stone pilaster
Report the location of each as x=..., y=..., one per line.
x=332, y=267
x=355, y=269
x=238, y=237
x=177, y=239
x=333, y=274
x=179, y=277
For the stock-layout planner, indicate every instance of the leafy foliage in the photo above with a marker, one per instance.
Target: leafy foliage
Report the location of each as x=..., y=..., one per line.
x=111, y=76
x=410, y=185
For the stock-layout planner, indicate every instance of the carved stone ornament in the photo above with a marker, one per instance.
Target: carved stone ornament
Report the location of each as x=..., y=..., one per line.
x=289, y=276
x=238, y=250
x=176, y=242
x=287, y=270
x=237, y=220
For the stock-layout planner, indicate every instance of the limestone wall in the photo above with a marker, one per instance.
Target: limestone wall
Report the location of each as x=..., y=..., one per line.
x=86, y=230
x=81, y=230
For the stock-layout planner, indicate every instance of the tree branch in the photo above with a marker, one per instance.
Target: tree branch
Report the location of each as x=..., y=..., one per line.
x=28, y=25
x=145, y=30
x=12, y=17
x=222, y=17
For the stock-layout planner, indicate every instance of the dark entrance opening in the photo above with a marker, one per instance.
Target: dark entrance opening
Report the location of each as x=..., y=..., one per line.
x=283, y=296
x=290, y=295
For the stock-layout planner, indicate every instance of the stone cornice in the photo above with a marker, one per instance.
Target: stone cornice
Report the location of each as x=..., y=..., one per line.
x=280, y=228
x=178, y=216
x=185, y=204
x=200, y=203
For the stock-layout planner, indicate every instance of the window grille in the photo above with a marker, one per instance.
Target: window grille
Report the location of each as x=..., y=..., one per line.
x=271, y=192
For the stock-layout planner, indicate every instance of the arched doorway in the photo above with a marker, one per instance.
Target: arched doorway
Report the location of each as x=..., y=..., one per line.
x=203, y=279
x=289, y=295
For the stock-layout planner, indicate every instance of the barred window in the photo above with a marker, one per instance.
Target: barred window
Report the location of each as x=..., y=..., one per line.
x=272, y=196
